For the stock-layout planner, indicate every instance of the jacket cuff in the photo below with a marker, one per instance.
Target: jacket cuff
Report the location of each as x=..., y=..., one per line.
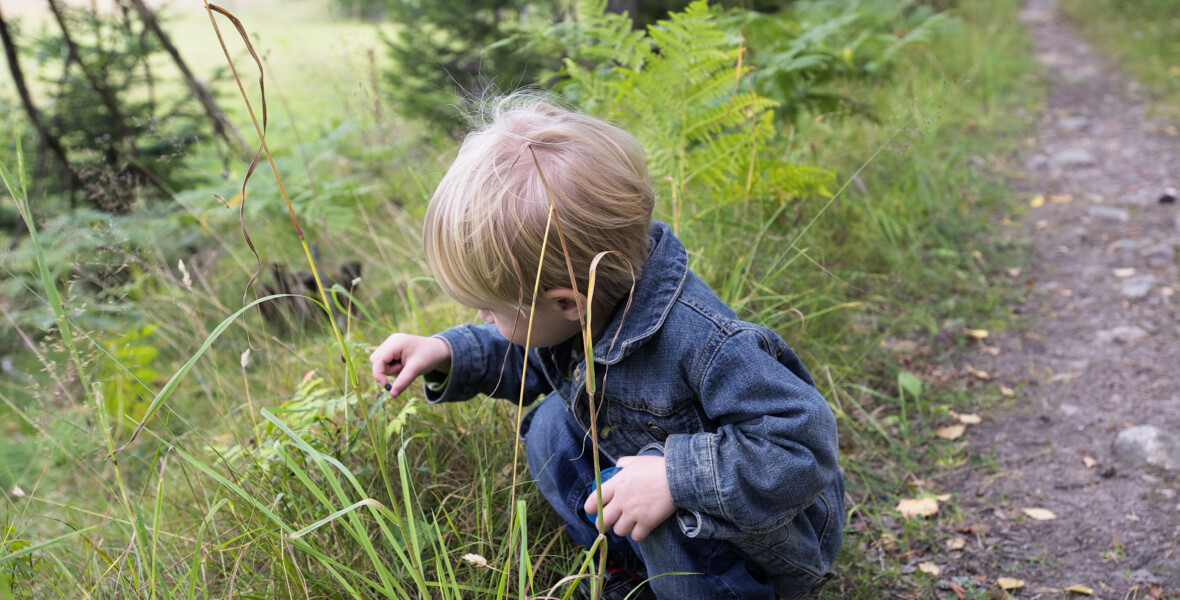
x=688, y=463
x=466, y=369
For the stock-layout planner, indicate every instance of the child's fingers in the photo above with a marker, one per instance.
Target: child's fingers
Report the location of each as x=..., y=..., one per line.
x=405, y=376
x=591, y=504
x=639, y=532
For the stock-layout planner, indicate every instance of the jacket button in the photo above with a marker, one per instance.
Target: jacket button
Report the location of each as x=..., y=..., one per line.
x=656, y=432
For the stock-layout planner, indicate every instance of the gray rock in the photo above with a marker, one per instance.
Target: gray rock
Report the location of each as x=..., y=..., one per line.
x=1109, y=213
x=1072, y=158
x=1073, y=123
x=1069, y=409
x=1034, y=162
x=1147, y=445
x=1158, y=251
x=1138, y=286
x=1124, y=334
x=1159, y=254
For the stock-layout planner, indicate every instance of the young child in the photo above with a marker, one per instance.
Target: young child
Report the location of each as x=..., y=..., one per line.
x=728, y=451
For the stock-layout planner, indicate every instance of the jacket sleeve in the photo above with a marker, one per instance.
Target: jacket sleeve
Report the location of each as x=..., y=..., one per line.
x=483, y=362
x=775, y=448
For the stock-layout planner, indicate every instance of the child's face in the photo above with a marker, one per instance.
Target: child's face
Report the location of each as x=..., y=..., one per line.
x=551, y=324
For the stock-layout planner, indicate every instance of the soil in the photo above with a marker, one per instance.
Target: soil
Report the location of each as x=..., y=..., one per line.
x=1097, y=355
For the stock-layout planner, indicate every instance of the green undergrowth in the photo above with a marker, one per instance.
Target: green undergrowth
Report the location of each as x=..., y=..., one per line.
x=1141, y=35
x=271, y=466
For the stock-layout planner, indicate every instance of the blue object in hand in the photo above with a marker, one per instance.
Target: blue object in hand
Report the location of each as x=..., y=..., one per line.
x=607, y=473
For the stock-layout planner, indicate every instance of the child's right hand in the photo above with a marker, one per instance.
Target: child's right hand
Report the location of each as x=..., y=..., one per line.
x=405, y=357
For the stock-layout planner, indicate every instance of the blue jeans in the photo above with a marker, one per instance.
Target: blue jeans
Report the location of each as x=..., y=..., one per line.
x=561, y=461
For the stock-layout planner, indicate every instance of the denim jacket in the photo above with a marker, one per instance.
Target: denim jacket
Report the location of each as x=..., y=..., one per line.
x=749, y=442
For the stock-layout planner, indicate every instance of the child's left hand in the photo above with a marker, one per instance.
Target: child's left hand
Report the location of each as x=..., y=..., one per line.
x=636, y=500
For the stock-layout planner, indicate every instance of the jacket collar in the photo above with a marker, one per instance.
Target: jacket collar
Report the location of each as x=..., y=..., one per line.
x=655, y=293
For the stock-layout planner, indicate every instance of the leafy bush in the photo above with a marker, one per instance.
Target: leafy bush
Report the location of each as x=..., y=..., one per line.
x=677, y=87
x=802, y=53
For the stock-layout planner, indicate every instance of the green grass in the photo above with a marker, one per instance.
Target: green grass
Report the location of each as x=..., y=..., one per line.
x=1141, y=35
x=264, y=476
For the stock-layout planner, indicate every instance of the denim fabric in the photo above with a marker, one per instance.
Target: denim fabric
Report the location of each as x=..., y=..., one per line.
x=750, y=444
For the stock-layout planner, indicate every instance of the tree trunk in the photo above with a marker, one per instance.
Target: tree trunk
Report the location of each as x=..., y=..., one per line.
x=18, y=78
x=221, y=124
x=104, y=93
x=631, y=7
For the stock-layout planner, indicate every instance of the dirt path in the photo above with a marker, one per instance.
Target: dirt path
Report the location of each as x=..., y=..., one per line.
x=1102, y=353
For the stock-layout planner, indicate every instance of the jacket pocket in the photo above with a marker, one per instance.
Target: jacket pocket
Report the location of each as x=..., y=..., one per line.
x=629, y=424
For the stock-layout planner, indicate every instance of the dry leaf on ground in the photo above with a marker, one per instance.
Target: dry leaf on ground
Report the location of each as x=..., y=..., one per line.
x=1080, y=589
x=951, y=432
x=956, y=543
x=978, y=334
x=967, y=418
x=1089, y=462
x=976, y=372
x=1006, y=391
x=929, y=567
x=1060, y=198
x=1009, y=583
x=1040, y=514
x=1037, y=201
x=917, y=507
x=1124, y=273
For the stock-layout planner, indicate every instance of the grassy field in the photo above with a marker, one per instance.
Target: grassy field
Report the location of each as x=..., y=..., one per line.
x=269, y=469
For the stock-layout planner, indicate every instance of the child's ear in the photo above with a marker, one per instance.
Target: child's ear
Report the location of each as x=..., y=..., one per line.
x=567, y=302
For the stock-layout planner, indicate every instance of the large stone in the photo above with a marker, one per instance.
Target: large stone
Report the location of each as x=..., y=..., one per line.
x=1073, y=123
x=1138, y=286
x=1072, y=158
x=1146, y=445
x=1109, y=213
x=1123, y=334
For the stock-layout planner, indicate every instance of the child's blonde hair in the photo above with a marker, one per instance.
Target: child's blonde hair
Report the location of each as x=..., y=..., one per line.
x=487, y=218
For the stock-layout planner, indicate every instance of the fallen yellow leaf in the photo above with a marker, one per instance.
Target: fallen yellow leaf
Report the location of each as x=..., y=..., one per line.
x=929, y=567
x=943, y=497
x=951, y=432
x=1060, y=198
x=976, y=372
x=1039, y=514
x=1037, y=201
x=956, y=543
x=977, y=255
x=1008, y=583
x=978, y=334
x=1014, y=272
x=1006, y=391
x=1080, y=589
x=967, y=418
x=1089, y=462
x=1124, y=273
x=917, y=507
x=992, y=350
